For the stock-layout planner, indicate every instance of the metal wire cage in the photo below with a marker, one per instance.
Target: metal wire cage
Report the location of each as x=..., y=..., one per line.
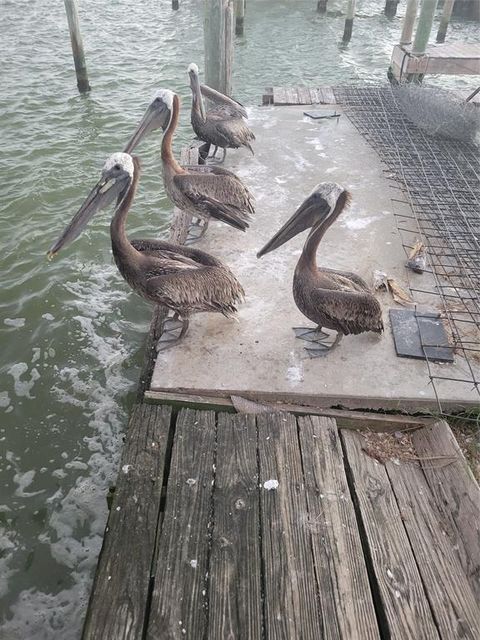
x=436, y=165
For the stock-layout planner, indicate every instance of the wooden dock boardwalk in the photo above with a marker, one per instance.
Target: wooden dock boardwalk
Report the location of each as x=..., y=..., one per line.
x=274, y=526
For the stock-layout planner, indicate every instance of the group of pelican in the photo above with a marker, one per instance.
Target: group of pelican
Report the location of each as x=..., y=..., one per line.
x=188, y=280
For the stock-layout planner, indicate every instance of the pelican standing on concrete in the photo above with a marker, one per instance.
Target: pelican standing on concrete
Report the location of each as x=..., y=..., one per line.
x=223, y=125
x=185, y=280
x=332, y=299
x=205, y=192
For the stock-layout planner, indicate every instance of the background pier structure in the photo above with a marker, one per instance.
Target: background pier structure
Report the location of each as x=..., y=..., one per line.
x=77, y=46
x=219, y=42
x=350, y=14
x=412, y=61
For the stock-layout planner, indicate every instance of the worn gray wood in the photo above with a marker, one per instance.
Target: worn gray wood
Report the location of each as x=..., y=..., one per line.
x=235, y=600
x=118, y=599
x=292, y=95
x=406, y=610
x=346, y=603
x=456, y=494
x=77, y=45
x=451, y=598
x=304, y=96
x=291, y=596
x=279, y=95
x=314, y=95
x=179, y=600
x=219, y=41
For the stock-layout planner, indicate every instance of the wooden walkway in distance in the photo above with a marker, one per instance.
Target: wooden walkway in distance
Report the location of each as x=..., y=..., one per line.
x=298, y=95
x=241, y=526
x=455, y=58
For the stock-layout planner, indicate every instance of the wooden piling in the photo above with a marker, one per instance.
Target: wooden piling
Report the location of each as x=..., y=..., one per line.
x=445, y=19
x=175, y=5
x=347, y=32
x=322, y=6
x=408, y=22
x=391, y=8
x=218, y=38
x=239, y=17
x=424, y=26
x=77, y=46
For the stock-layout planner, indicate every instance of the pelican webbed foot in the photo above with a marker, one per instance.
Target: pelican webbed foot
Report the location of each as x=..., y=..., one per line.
x=174, y=329
x=320, y=348
x=213, y=158
x=310, y=334
x=197, y=230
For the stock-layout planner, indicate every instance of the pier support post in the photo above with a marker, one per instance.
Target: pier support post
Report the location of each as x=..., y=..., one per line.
x=175, y=5
x=424, y=27
x=218, y=38
x=322, y=6
x=239, y=17
x=77, y=46
x=445, y=19
x=408, y=22
x=347, y=32
x=391, y=8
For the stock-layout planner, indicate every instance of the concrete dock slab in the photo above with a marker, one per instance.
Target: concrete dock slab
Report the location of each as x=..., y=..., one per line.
x=258, y=357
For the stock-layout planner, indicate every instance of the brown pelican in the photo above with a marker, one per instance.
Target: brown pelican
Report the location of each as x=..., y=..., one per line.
x=222, y=125
x=205, y=192
x=183, y=279
x=338, y=300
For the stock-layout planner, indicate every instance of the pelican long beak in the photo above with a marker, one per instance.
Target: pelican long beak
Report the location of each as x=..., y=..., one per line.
x=100, y=197
x=195, y=87
x=152, y=119
x=302, y=219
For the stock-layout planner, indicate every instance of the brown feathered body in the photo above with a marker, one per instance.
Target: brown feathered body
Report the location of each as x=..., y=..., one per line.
x=223, y=125
x=213, y=193
x=183, y=279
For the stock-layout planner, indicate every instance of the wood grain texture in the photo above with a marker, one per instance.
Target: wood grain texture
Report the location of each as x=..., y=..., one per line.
x=456, y=494
x=451, y=598
x=406, y=610
x=304, y=96
x=292, y=95
x=235, y=600
x=118, y=599
x=279, y=95
x=179, y=603
x=291, y=597
x=346, y=602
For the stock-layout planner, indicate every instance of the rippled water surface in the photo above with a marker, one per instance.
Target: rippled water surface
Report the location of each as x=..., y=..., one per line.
x=71, y=331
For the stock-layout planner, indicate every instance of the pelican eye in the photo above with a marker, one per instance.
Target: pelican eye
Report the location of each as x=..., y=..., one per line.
x=117, y=167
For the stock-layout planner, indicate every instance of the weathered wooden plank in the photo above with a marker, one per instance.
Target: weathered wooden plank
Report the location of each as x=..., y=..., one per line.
x=290, y=586
x=179, y=603
x=326, y=95
x=119, y=596
x=346, y=419
x=314, y=94
x=346, y=603
x=292, y=95
x=279, y=95
x=235, y=600
x=451, y=598
x=456, y=494
x=405, y=606
x=304, y=96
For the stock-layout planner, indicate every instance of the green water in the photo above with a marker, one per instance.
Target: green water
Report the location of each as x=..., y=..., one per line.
x=71, y=331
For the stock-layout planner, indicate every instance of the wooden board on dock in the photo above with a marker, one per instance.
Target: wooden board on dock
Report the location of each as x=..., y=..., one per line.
x=456, y=58
x=298, y=95
x=232, y=526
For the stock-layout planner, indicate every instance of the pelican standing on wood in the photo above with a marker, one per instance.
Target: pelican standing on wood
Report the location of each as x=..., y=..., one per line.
x=337, y=300
x=203, y=192
x=185, y=280
x=223, y=125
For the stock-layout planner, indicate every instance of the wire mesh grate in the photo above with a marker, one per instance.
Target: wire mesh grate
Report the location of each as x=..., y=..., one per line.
x=439, y=179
